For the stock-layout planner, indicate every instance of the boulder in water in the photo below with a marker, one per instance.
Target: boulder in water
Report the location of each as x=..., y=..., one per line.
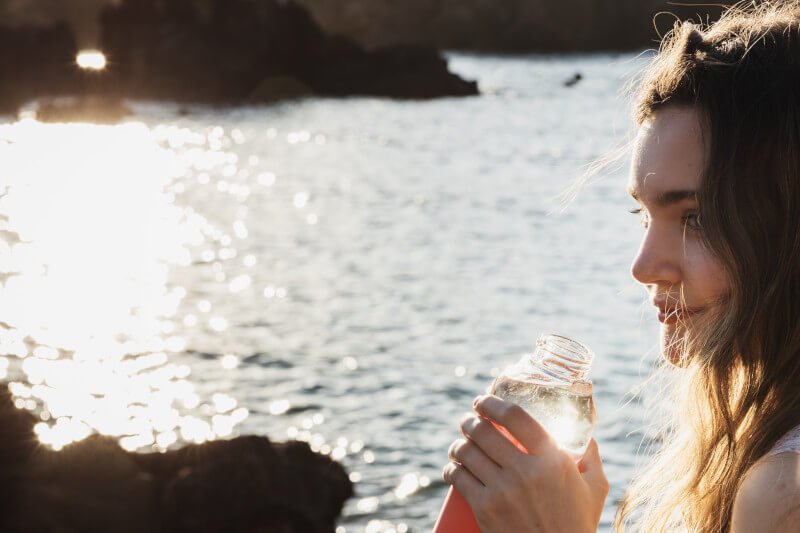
x=246, y=484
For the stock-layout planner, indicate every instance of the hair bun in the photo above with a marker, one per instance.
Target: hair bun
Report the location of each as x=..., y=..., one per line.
x=695, y=41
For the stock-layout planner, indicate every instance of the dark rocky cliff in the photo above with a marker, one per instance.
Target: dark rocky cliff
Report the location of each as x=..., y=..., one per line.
x=506, y=25
x=215, y=51
x=486, y=25
x=236, y=50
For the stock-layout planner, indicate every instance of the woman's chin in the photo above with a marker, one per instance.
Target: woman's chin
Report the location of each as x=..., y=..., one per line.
x=672, y=346
x=676, y=358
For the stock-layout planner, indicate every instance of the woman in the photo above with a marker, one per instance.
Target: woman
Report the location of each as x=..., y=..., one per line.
x=716, y=176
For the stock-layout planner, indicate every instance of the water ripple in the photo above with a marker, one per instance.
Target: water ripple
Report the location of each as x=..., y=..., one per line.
x=346, y=272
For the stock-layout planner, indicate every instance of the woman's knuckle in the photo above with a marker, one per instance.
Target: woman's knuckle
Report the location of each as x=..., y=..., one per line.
x=467, y=425
x=480, y=402
x=465, y=450
x=481, y=427
x=453, y=473
x=452, y=452
x=446, y=473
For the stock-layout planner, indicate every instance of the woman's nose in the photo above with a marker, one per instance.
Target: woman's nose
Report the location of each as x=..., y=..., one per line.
x=656, y=263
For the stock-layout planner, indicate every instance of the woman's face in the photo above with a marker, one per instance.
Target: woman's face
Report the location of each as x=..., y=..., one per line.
x=681, y=275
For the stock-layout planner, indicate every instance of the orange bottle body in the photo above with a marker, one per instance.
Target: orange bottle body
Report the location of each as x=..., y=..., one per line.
x=456, y=515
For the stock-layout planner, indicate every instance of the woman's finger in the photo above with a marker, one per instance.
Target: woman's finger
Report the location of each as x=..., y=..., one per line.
x=489, y=439
x=464, y=482
x=517, y=422
x=469, y=455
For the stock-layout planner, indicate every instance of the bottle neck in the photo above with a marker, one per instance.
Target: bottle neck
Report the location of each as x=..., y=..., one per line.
x=561, y=358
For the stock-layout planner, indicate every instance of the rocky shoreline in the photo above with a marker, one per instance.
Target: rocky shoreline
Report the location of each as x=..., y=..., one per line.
x=244, y=485
x=229, y=52
x=509, y=26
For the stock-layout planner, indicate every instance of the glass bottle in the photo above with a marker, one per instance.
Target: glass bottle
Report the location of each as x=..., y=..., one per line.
x=551, y=385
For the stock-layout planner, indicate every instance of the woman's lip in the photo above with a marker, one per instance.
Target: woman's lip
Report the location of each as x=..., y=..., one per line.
x=672, y=316
x=667, y=318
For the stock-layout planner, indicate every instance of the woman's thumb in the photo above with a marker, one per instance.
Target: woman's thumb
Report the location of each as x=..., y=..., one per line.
x=591, y=466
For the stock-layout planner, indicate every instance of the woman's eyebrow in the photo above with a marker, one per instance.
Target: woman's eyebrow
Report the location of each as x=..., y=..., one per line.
x=666, y=198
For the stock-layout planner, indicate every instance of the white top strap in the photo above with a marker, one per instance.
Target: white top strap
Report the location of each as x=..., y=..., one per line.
x=790, y=442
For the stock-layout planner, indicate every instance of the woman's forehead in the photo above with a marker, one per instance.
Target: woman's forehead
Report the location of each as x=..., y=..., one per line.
x=668, y=154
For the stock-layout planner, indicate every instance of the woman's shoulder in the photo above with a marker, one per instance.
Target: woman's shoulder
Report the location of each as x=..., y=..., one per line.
x=769, y=497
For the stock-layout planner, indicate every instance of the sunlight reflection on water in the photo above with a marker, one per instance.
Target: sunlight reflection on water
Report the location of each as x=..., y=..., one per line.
x=88, y=233
x=351, y=271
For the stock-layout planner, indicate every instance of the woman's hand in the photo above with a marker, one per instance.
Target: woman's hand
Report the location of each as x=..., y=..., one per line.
x=543, y=490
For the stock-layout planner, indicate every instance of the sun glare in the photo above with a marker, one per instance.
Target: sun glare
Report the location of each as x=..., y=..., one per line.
x=90, y=235
x=91, y=60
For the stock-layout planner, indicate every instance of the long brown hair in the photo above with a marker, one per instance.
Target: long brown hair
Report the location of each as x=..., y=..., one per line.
x=741, y=389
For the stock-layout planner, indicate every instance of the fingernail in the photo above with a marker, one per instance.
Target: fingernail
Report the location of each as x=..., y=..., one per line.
x=476, y=401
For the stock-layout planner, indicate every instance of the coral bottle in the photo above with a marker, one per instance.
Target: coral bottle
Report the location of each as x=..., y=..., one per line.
x=551, y=385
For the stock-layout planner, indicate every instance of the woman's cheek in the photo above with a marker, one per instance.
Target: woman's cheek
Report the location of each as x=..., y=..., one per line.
x=703, y=274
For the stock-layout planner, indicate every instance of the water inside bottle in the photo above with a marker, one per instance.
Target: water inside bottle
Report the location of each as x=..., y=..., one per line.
x=567, y=413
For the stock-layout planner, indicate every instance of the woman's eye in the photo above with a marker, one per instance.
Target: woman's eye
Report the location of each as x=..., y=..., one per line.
x=692, y=221
x=643, y=217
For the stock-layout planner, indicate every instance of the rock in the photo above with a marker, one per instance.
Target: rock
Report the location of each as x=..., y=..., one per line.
x=508, y=25
x=208, y=51
x=478, y=25
x=277, y=88
x=223, y=53
x=168, y=51
x=93, y=487
x=81, y=15
x=261, y=483
x=242, y=485
x=395, y=71
x=17, y=446
x=36, y=61
x=574, y=80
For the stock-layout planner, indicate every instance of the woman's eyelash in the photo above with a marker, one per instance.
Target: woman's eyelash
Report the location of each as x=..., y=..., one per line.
x=692, y=221
x=642, y=215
